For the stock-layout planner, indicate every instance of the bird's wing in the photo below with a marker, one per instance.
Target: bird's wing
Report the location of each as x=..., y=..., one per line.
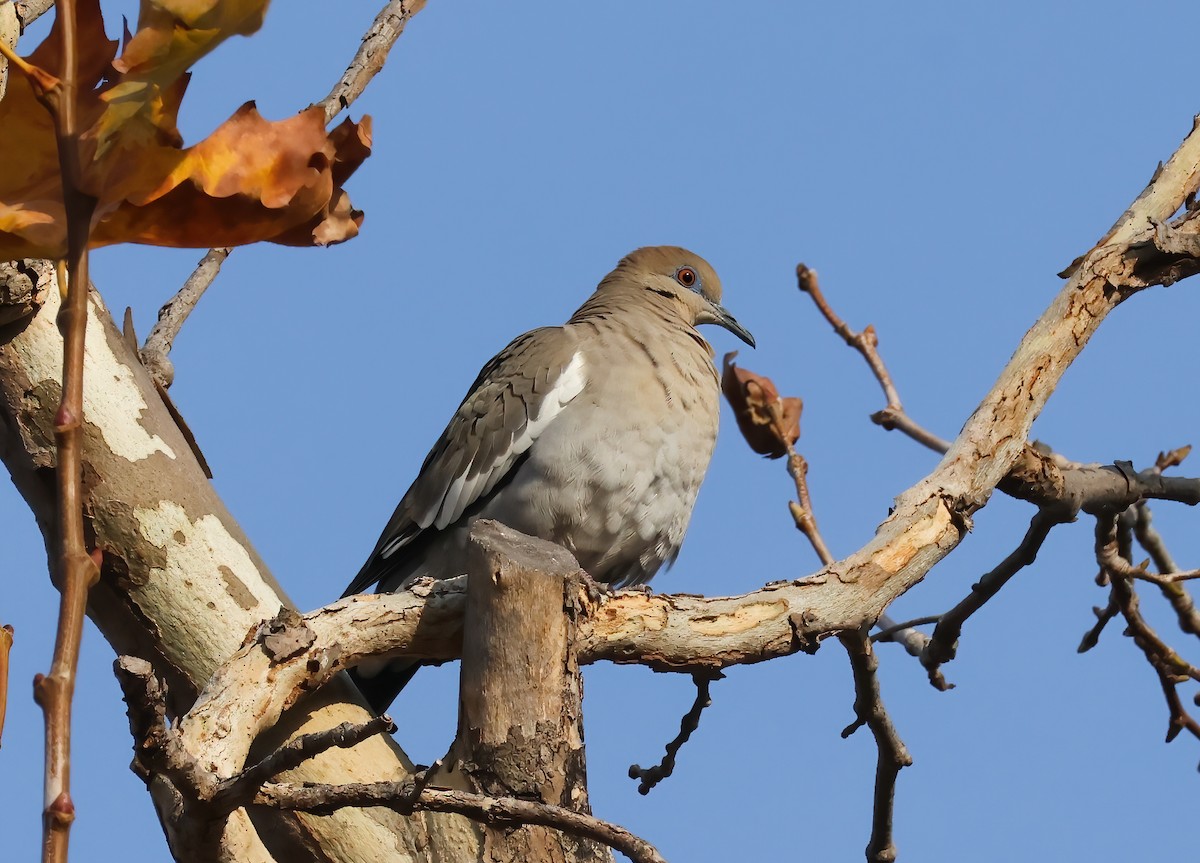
x=514, y=398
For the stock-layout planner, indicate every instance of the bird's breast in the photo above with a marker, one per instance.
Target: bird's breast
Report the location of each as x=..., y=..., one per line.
x=615, y=476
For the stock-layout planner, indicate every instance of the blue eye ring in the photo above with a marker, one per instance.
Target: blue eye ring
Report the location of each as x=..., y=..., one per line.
x=687, y=277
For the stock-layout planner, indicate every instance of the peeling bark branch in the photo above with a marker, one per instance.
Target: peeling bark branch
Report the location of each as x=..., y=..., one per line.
x=180, y=583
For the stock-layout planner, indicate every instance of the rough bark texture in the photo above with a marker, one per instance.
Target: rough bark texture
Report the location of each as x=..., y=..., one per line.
x=520, y=700
x=180, y=584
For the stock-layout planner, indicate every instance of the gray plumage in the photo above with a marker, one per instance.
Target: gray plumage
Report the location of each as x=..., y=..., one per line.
x=595, y=435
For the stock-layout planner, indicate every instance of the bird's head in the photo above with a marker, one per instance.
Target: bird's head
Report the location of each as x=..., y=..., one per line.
x=685, y=280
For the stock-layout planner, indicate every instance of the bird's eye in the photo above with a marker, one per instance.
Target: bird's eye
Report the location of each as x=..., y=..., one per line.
x=687, y=277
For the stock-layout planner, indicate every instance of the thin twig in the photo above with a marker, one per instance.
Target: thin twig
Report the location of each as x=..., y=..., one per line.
x=867, y=343
x=944, y=642
x=6, y=640
x=893, y=756
x=1171, y=668
x=888, y=633
x=868, y=701
x=74, y=570
x=171, y=317
x=203, y=800
x=651, y=776
x=372, y=53
x=802, y=512
x=239, y=790
x=1103, y=615
x=421, y=779
x=323, y=799
x=1169, y=576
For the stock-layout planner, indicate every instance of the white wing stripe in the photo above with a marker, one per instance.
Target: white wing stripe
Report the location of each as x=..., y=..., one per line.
x=463, y=492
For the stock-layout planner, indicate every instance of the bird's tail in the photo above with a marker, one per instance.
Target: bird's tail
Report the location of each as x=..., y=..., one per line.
x=380, y=683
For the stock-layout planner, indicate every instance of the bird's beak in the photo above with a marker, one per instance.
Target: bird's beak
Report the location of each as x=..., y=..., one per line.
x=722, y=318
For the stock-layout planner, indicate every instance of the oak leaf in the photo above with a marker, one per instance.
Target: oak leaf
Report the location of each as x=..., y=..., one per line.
x=250, y=180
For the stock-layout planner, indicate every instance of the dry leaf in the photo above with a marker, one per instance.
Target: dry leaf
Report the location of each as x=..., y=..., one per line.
x=770, y=424
x=251, y=180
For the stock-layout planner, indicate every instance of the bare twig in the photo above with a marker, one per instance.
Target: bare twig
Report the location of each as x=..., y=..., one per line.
x=802, y=512
x=322, y=799
x=650, y=776
x=1103, y=615
x=29, y=11
x=1151, y=540
x=1169, y=576
x=171, y=317
x=240, y=790
x=944, y=642
x=892, y=416
x=207, y=800
x=893, y=755
x=372, y=53
x=6, y=640
x=1172, y=669
x=888, y=633
x=74, y=570
x=868, y=701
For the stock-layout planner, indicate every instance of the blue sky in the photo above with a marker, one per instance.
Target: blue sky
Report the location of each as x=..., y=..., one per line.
x=937, y=163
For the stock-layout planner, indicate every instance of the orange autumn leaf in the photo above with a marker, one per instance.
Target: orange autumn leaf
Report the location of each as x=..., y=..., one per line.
x=770, y=424
x=251, y=180
x=171, y=36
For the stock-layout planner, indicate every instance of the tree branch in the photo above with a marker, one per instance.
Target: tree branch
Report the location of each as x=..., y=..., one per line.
x=240, y=790
x=74, y=570
x=478, y=807
x=1169, y=576
x=893, y=755
x=650, y=776
x=171, y=317
x=368, y=60
x=1172, y=669
x=943, y=644
x=371, y=55
x=866, y=343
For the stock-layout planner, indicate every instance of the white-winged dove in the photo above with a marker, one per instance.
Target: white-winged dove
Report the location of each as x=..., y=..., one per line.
x=595, y=435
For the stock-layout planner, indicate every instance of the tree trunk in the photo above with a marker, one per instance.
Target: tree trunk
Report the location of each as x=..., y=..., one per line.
x=180, y=584
x=520, y=701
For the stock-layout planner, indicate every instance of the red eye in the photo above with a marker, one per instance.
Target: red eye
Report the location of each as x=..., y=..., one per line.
x=686, y=276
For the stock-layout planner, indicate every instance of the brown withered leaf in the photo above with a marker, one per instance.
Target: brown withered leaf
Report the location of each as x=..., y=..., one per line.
x=251, y=180
x=770, y=424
